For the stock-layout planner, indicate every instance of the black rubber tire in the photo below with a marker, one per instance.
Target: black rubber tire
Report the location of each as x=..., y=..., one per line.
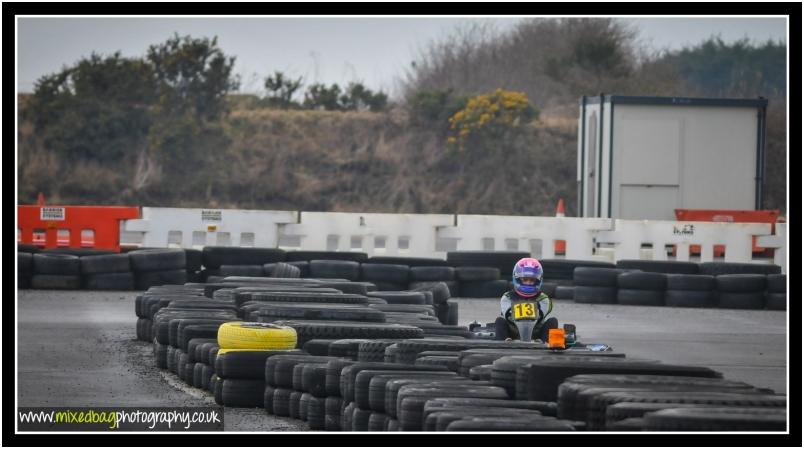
x=377, y=422
x=56, y=264
x=397, y=274
x=596, y=415
x=314, y=379
x=544, y=377
x=476, y=274
x=776, y=301
x=197, y=352
x=27, y=248
x=439, y=420
x=370, y=393
x=411, y=399
x=502, y=260
x=198, y=369
x=432, y=273
x=690, y=282
x=143, y=280
x=309, y=330
x=279, y=368
x=241, y=270
x=741, y=283
x=192, y=258
x=564, y=292
x=284, y=270
x=373, y=351
x=346, y=416
x=307, y=296
x=160, y=355
x=107, y=263
x=316, y=413
x=777, y=283
x=216, y=256
x=452, y=313
x=409, y=261
x=281, y=401
x=506, y=424
x=596, y=277
x=350, y=373
x=388, y=286
x=268, y=399
x=484, y=289
x=562, y=269
x=272, y=313
x=399, y=297
x=450, y=363
x=632, y=297
x=335, y=269
x=549, y=288
x=440, y=290
x=747, y=300
x=165, y=259
x=715, y=419
x=294, y=404
x=294, y=256
x=721, y=268
x=638, y=280
x=659, y=266
x=217, y=389
x=360, y=419
x=55, y=281
x=25, y=263
x=332, y=409
x=334, y=370
x=319, y=346
x=109, y=281
x=690, y=298
x=244, y=364
x=79, y=252
x=594, y=295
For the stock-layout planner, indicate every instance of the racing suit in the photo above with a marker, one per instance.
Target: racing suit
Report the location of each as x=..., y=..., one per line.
x=504, y=326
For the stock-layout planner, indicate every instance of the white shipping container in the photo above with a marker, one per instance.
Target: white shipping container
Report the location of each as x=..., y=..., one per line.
x=643, y=157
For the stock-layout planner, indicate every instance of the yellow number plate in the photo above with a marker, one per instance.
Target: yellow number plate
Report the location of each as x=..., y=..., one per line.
x=525, y=310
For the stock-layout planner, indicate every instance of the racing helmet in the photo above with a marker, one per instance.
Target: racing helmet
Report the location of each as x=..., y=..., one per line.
x=527, y=268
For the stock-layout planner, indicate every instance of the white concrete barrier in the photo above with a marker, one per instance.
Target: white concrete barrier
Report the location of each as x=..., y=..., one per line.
x=629, y=235
x=432, y=235
x=778, y=242
x=195, y=228
x=536, y=235
x=375, y=234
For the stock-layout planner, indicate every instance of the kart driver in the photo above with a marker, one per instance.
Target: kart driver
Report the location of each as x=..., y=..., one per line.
x=527, y=280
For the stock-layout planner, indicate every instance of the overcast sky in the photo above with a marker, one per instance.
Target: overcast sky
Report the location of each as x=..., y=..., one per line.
x=328, y=49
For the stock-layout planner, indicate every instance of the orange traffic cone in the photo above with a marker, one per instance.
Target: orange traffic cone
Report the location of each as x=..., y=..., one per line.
x=560, y=245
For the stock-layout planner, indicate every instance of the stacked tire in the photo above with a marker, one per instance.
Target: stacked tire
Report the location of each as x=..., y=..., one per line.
x=480, y=282
x=387, y=277
x=222, y=261
x=637, y=288
x=776, y=294
x=595, y=285
x=426, y=276
x=741, y=291
x=155, y=267
x=55, y=271
x=25, y=269
x=107, y=272
x=690, y=290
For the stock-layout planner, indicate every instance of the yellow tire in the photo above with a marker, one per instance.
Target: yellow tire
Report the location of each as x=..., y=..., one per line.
x=246, y=335
x=224, y=351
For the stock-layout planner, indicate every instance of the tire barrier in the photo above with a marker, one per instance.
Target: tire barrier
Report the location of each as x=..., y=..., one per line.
x=345, y=374
x=475, y=274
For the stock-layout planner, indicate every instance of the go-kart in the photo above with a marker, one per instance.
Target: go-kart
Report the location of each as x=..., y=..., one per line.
x=525, y=317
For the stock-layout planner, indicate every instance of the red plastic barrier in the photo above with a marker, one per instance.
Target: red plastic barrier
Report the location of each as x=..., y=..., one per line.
x=729, y=216
x=86, y=226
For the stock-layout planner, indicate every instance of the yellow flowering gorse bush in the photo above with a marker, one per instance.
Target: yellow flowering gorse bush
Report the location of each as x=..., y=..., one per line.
x=499, y=109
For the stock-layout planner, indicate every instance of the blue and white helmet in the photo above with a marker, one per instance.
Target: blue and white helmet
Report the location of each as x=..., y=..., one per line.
x=527, y=268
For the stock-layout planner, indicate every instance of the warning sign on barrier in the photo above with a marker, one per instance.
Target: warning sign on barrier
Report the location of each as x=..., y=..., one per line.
x=211, y=215
x=51, y=214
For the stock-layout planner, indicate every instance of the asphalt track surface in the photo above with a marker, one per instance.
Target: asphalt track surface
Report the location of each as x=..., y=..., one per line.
x=79, y=349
